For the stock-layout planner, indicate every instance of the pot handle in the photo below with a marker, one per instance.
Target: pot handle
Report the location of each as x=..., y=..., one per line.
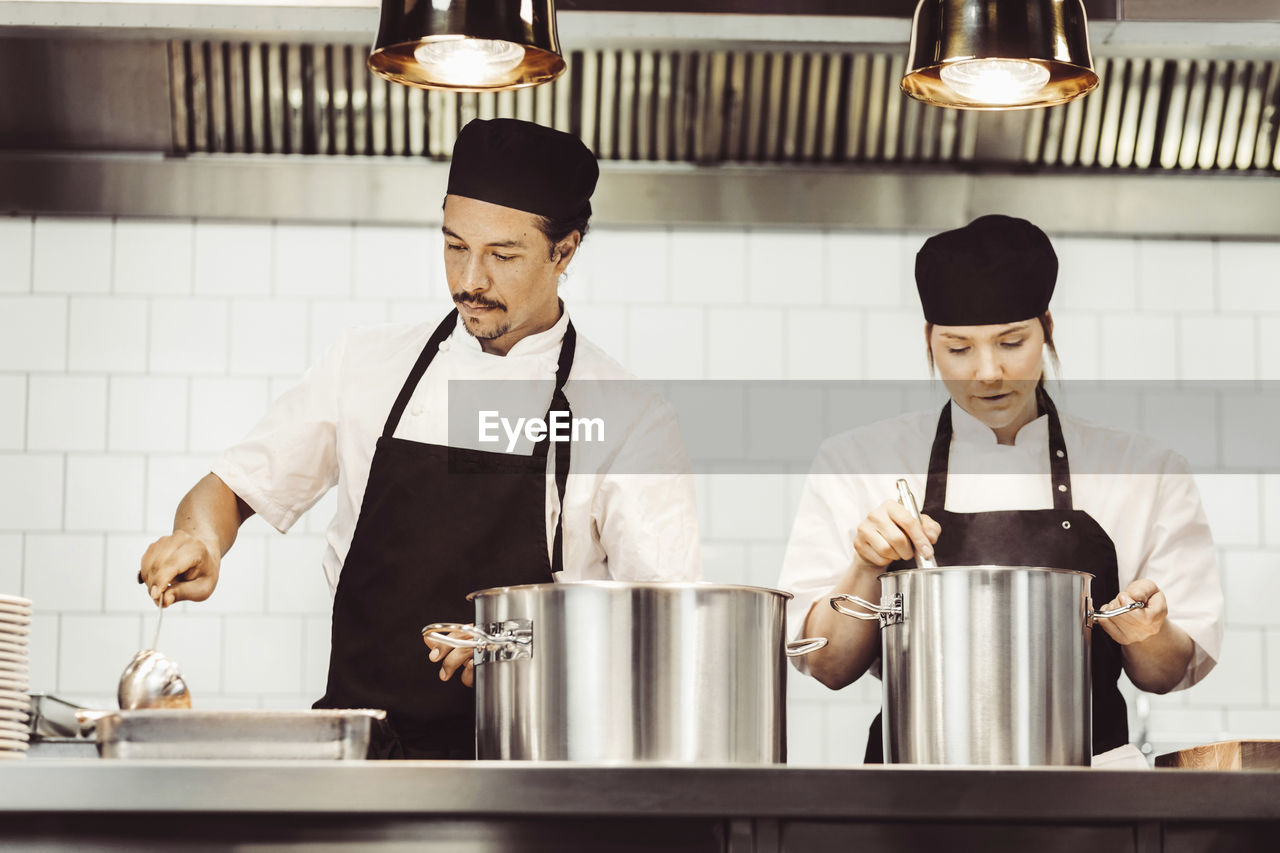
x=440, y=631
x=873, y=616
x=509, y=640
x=1107, y=614
x=799, y=648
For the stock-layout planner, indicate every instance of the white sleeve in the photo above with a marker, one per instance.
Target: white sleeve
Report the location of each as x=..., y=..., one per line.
x=1181, y=560
x=289, y=459
x=647, y=523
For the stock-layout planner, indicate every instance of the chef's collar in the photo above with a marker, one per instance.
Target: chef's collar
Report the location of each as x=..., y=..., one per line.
x=969, y=430
x=540, y=343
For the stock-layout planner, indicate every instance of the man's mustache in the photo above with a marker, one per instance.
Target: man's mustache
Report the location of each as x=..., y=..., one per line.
x=477, y=301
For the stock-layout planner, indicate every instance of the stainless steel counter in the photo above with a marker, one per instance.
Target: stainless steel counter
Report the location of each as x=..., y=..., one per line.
x=515, y=806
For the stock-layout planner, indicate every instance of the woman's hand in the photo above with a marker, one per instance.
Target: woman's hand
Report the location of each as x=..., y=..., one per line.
x=1156, y=652
x=1136, y=625
x=452, y=659
x=891, y=533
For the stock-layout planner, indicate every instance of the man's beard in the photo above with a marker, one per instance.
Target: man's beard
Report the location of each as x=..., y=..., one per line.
x=479, y=301
x=492, y=334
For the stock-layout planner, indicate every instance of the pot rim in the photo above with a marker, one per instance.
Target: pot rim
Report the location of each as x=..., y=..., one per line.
x=988, y=569
x=682, y=586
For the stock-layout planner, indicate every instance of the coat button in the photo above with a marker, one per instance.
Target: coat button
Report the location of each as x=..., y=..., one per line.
x=416, y=410
x=1062, y=488
x=1061, y=453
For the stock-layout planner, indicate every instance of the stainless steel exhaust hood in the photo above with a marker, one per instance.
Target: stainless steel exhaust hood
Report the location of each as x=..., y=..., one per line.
x=787, y=115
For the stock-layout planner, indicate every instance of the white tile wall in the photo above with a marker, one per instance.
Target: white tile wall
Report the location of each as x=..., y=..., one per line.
x=1231, y=505
x=33, y=333
x=746, y=343
x=188, y=336
x=1138, y=346
x=822, y=343
x=708, y=266
x=195, y=640
x=313, y=260
x=232, y=259
x=268, y=337
x=32, y=499
x=94, y=649
x=1252, y=583
x=132, y=351
x=153, y=256
x=293, y=584
x=1270, y=510
x=15, y=248
x=66, y=568
x=1096, y=274
x=148, y=414
x=1076, y=336
x=108, y=334
x=396, y=262
x=10, y=563
x=1268, y=347
x=329, y=318
x=267, y=654
x=1177, y=275
x=1247, y=276
x=13, y=412
x=72, y=255
x=222, y=410
x=1272, y=674
x=1217, y=348
x=678, y=353
x=868, y=270
x=627, y=266
x=105, y=492
x=785, y=268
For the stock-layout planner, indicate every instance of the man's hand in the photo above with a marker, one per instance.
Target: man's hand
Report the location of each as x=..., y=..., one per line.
x=452, y=659
x=181, y=565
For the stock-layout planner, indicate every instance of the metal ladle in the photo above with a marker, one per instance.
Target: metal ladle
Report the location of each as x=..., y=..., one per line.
x=908, y=500
x=152, y=680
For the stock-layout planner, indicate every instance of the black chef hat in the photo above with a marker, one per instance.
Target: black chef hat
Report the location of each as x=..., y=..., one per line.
x=996, y=269
x=525, y=166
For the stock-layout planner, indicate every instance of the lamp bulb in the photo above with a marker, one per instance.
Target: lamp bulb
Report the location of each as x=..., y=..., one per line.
x=469, y=62
x=996, y=81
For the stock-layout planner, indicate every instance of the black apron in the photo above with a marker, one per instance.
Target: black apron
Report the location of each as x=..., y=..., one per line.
x=1058, y=538
x=436, y=523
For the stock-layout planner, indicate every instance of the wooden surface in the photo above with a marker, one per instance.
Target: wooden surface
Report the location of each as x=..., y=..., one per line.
x=1226, y=755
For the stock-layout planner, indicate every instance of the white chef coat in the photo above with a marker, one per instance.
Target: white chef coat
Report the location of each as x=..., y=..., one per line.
x=1142, y=495
x=635, y=518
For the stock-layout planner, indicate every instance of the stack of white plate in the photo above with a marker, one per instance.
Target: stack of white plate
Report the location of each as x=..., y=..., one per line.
x=15, y=625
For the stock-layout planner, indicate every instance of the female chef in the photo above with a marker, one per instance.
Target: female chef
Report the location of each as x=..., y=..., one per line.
x=1030, y=488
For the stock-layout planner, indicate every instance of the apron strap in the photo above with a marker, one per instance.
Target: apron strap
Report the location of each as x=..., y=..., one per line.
x=559, y=402
x=438, y=337
x=935, y=490
x=1059, y=469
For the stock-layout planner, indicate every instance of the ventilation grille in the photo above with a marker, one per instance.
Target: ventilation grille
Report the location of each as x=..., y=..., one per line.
x=752, y=107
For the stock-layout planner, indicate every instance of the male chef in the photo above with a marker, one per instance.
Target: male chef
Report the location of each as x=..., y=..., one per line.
x=426, y=512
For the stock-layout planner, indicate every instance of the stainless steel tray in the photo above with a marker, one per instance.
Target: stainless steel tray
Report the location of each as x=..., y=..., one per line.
x=189, y=734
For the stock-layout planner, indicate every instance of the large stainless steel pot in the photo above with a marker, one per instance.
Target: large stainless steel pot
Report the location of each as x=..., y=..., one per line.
x=985, y=664
x=607, y=671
